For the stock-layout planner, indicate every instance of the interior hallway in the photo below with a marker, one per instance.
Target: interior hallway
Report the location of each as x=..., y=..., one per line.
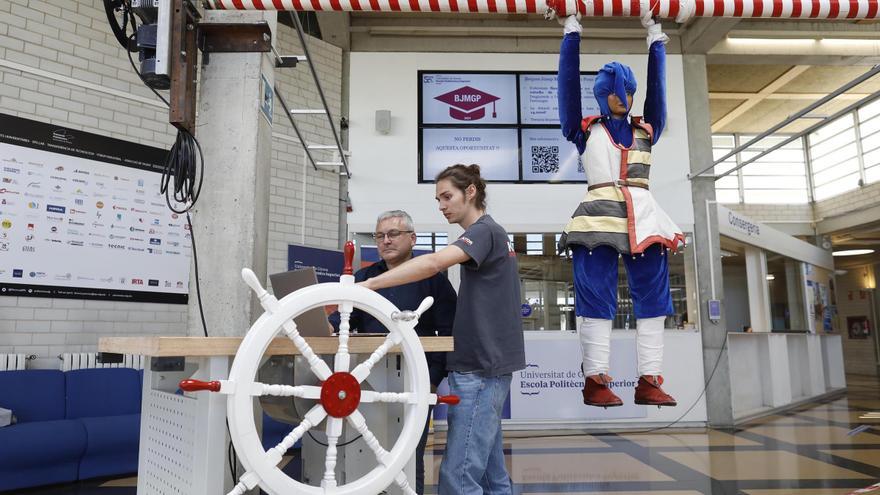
x=806, y=451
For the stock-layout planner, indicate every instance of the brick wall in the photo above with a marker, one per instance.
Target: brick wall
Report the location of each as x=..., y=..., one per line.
x=59, y=63
x=774, y=213
x=849, y=201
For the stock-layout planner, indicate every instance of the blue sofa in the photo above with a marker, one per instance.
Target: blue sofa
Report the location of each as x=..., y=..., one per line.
x=70, y=426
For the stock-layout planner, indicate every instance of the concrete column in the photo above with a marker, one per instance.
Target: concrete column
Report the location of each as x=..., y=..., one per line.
x=231, y=218
x=718, y=392
x=759, y=292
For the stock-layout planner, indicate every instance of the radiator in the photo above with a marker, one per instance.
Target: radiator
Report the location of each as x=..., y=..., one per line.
x=9, y=362
x=83, y=360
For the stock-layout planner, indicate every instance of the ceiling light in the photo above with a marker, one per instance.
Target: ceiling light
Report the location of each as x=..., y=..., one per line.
x=849, y=42
x=852, y=252
x=841, y=272
x=771, y=277
x=773, y=41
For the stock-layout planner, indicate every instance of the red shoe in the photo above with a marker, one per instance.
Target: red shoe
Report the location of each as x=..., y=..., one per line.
x=649, y=393
x=596, y=392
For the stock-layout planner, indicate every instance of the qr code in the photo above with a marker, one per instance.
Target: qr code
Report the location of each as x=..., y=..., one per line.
x=545, y=159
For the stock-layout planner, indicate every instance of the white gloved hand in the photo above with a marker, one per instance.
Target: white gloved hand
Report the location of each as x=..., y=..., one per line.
x=655, y=32
x=571, y=24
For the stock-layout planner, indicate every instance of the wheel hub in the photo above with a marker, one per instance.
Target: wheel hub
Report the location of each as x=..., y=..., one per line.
x=340, y=394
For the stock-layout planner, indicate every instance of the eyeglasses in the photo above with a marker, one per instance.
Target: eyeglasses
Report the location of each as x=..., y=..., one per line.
x=391, y=234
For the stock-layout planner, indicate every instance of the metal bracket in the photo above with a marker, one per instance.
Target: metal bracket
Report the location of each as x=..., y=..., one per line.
x=234, y=38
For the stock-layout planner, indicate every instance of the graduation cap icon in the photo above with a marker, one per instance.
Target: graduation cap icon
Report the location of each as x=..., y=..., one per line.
x=467, y=103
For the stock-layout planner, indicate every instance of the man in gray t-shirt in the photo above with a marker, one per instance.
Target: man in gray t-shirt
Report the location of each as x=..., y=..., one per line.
x=487, y=330
x=488, y=326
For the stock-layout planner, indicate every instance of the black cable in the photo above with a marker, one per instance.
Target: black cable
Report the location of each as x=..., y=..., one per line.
x=180, y=166
x=192, y=237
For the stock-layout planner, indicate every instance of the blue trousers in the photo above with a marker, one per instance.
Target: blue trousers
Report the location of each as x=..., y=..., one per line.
x=473, y=463
x=595, y=281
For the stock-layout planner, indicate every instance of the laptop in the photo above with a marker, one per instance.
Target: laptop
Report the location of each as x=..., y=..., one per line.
x=312, y=323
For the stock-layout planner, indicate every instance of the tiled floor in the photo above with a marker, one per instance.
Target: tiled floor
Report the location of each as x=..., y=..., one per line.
x=807, y=451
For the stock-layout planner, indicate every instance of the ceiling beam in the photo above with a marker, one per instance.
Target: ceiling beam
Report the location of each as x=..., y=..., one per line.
x=758, y=97
x=722, y=95
x=703, y=34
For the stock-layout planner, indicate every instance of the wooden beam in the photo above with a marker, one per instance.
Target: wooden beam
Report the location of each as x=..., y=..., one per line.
x=228, y=346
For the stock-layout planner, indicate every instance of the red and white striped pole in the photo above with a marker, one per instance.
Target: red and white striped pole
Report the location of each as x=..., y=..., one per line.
x=680, y=10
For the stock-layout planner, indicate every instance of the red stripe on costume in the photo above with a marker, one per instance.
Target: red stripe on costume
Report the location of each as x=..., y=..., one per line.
x=630, y=217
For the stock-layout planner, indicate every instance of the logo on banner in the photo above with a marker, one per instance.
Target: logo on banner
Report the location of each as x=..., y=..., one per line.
x=467, y=103
x=62, y=136
x=55, y=209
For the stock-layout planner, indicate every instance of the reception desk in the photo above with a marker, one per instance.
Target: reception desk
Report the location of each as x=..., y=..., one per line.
x=774, y=371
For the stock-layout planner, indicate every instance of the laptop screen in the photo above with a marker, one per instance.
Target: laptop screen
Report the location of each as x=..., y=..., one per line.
x=312, y=323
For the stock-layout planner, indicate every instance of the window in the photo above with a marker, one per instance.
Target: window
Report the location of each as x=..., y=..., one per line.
x=431, y=241
x=726, y=188
x=778, y=177
x=834, y=158
x=869, y=128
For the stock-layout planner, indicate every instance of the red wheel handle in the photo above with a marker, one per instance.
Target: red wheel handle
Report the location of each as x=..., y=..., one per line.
x=198, y=385
x=349, y=258
x=451, y=400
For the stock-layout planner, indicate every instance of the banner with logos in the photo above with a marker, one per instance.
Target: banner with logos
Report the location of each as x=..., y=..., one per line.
x=82, y=217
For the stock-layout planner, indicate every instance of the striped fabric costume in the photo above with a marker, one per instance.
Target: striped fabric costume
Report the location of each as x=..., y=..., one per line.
x=618, y=217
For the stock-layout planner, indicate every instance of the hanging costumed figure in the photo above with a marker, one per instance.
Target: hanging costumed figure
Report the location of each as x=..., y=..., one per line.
x=619, y=216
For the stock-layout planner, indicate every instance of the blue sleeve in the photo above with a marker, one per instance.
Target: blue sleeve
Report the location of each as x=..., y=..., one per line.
x=655, y=95
x=569, y=91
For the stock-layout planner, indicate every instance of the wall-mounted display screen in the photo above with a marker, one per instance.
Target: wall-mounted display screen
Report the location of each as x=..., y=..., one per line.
x=506, y=122
x=81, y=216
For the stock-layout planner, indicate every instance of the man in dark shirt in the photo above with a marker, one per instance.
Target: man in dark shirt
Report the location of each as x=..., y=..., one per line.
x=395, y=238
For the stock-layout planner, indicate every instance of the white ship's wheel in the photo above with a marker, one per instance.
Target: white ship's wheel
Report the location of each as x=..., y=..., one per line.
x=337, y=397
